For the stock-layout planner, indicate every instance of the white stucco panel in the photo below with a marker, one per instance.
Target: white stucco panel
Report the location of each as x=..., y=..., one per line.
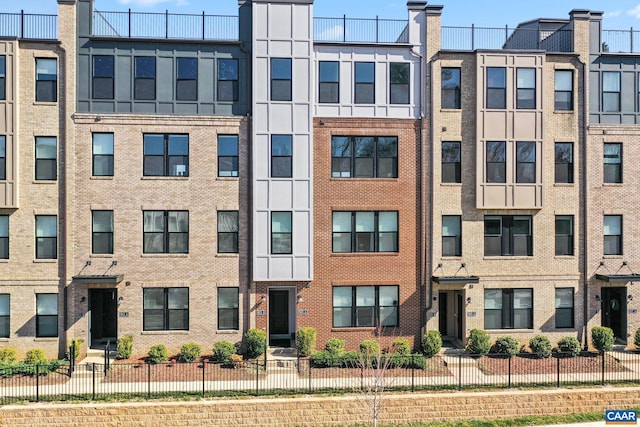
x=301, y=195
x=281, y=195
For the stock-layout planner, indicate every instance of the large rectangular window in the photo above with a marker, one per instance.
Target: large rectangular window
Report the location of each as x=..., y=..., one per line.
x=102, y=154
x=228, y=309
x=5, y=315
x=496, y=87
x=46, y=315
x=496, y=161
x=508, y=235
x=103, y=77
x=166, y=232
x=450, y=89
x=281, y=233
x=613, y=234
x=102, y=232
x=525, y=88
x=399, y=83
x=166, y=155
x=46, y=155
x=364, y=157
x=365, y=306
x=4, y=236
x=451, y=165
x=612, y=163
x=564, y=234
x=563, y=90
x=281, y=78
x=165, y=309
x=228, y=232
x=329, y=82
x=365, y=231
x=451, y=235
x=228, y=155
x=364, y=83
x=228, y=80
x=3, y=157
x=564, y=162
x=508, y=308
x=564, y=308
x=46, y=237
x=187, y=79
x=46, y=80
x=610, y=91
x=281, y=156
x=525, y=162
x=144, y=85
x=3, y=77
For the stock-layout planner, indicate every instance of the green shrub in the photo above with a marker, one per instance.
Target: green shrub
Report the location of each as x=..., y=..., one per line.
x=325, y=359
x=334, y=346
x=306, y=341
x=76, y=344
x=125, y=346
x=158, y=354
x=602, y=338
x=8, y=356
x=35, y=356
x=416, y=361
x=431, y=343
x=256, y=342
x=189, y=352
x=540, y=346
x=569, y=345
x=223, y=350
x=370, y=348
x=478, y=342
x=507, y=345
x=636, y=341
x=401, y=346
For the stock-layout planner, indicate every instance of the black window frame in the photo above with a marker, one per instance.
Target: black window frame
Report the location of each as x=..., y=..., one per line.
x=165, y=311
x=509, y=236
x=282, y=240
x=101, y=234
x=377, y=236
x=613, y=93
x=496, y=162
x=562, y=308
x=328, y=82
x=5, y=316
x=168, y=159
x=359, y=84
x=231, y=313
x=3, y=77
x=347, y=153
x=399, y=83
x=102, y=163
x=371, y=312
x=186, y=79
x=495, y=89
x=103, y=77
x=451, y=162
x=281, y=156
x=228, y=166
x=228, y=76
x=281, y=79
x=452, y=240
x=46, y=168
x=144, y=81
x=507, y=309
x=168, y=244
x=525, y=92
x=563, y=163
x=450, y=88
x=5, y=225
x=3, y=157
x=228, y=231
x=46, y=83
x=526, y=157
x=612, y=163
x=564, y=225
x=563, y=96
x=47, y=317
x=51, y=241
x=613, y=243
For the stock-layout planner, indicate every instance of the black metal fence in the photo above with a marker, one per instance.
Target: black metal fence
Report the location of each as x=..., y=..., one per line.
x=471, y=38
x=29, y=26
x=624, y=41
x=355, y=30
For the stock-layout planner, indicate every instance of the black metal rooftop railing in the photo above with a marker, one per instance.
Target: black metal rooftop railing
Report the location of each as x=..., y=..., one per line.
x=621, y=41
x=472, y=38
x=29, y=26
x=356, y=30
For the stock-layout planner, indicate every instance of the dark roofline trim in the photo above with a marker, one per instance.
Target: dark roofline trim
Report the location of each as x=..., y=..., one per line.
x=455, y=280
x=99, y=279
x=619, y=278
x=164, y=41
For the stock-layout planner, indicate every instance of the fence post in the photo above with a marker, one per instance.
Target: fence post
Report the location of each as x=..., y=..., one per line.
x=204, y=368
x=148, y=380
x=203, y=25
x=22, y=24
x=473, y=37
x=129, y=16
x=377, y=29
x=257, y=375
x=166, y=23
x=506, y=34
x=509, y=375
x=413, y=373
x=93, y=381
x=602, y=353
x=37, y=382
x=558, y=369
x=344, y=28
x=459, y=372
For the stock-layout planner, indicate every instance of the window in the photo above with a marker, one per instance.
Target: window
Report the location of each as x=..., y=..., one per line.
x=46, y=237
x=103, y=75
x=525, y=162
x=3, y=157
x=102, y=154
x=564, y=308
x=451, y=171
x=496, y=161
x=610, y=91
x=165, y=309
x=613, y=234
x=496, y=87
x=46, y=80
x=166, y=232
x=46, y=153
x=5, y=315
x=365, y=306
x=563, y=95
x=564, y=234
x=399, y=81
x=102, y=232
x=364, y=157
x=228, y=80
x=365, y=82
x=508, y=308
x=451, y=235
x=365, y=231
x=144, y=86
x=166, y=155
x=329, y=82
x=281, y=79
x=3, y=77
x=564, y=162
x=228, y=232
x=46, y=315
x=508, y=235
x=281, y=156
x=612, y=163
x=228, y=318
x=450, y=90
x=281, y=233
x=4, y=236
x=526, y=88
x=227, y=155
x=187, y=79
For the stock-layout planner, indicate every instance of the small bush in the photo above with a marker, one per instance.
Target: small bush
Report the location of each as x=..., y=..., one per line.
x=416, y=360
x=76, y=344
x=223, y=350
x=334, y=346
x=636, y=341
x=431, y=343
x=507, y=345
x=35, y=356
x=370, y=348
x=256, y=342
x=8, y=356
x=602, y=338
x=325, y=359
x=306, y=341
x=189, y=352
x=478, y=342
x=401, y=346
x=540, y=346
x=125, y=346
x=569, y=345
x=158, y=354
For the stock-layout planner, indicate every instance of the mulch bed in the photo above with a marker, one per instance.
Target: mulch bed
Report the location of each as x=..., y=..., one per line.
x=53, y=378
x=531, y=365
x=436, y=367
x=139, y=371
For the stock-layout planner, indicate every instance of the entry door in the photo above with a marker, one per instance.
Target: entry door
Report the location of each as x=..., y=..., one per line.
x=104, y=307
x=279, y=334
x=614, y=311
x=459, y=317
x=443, y=314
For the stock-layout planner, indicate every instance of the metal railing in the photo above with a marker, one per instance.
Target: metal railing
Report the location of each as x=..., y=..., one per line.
x=471, y=38
x=621, y=41
x=356, y=30
x=29, y=26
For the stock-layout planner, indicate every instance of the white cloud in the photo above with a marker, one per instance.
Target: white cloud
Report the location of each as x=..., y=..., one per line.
x=334, y=33
x=635, y=12
x=613, y=13
x=152, y=3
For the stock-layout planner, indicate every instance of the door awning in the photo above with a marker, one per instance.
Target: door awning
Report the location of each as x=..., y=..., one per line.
x=455, y=280
x=98, y=279
x=619, y=278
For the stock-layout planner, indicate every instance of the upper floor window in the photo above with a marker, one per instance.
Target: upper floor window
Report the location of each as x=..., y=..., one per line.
x=228, y=80
x=102, y=232
x=399, y=82
x=508, y=308
x=5, y=315
x=46, y=155
x=612, y=163
x=613, y=234
x=365, y=231
x=496, y=87
x=525, y=88
x=610, y=91
x=166, y=232
x=525, y=162
x=46, y=79
x=187, y=79
x=46, y=315
x=508, y=235
x=3, y=77
x=281, y=156
x=451, y=235
x=103, y=77
x=564, y=235
x=564, y=308
x=144, y=86
x=451, y=165
x=166, y=155
x=228, y=232
x=46, y=237
x=281, y=233
x=450, y=90
x=228, y=305
x=165, y=309
x=364, y=83
x=364, y=157
x=564, y=162
x=329, y=82
x=365, y=306
x=4, y=236
x=281, y=79
x=496, y=161
x=3, y=157
x=227, y=155
x=563, y=94
x=102, y=154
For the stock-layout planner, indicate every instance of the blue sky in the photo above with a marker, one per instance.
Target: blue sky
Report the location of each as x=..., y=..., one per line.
x=619, y=14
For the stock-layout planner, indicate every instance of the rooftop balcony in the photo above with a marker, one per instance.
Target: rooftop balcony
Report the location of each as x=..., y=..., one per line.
x=28, y=26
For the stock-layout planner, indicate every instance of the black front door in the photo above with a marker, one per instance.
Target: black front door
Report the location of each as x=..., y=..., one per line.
x=104, y=307
x=279, y=334
x=442, y=311
x=459, y=316
x=614, y=311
